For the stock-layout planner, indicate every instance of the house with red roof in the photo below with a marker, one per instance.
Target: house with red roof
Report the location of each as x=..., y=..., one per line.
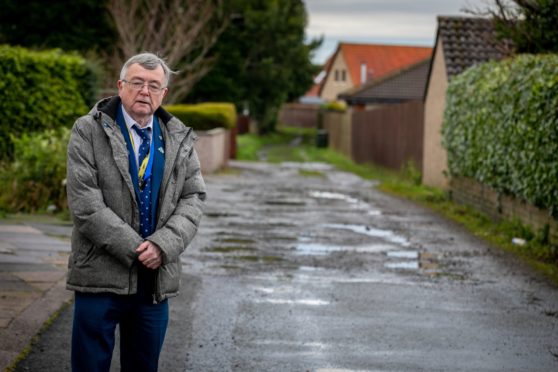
x=354, y=64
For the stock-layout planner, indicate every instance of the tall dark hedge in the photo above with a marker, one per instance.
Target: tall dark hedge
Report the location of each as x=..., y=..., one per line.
x=501, y=127
x=41, y=90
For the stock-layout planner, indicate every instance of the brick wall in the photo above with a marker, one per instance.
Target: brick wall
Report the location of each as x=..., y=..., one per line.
x=213, y=148
x=487, y=200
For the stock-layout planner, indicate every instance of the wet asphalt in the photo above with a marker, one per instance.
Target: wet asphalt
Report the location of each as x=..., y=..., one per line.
x=315, y=270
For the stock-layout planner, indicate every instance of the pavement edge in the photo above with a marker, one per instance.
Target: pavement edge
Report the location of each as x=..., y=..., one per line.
x=20, y=333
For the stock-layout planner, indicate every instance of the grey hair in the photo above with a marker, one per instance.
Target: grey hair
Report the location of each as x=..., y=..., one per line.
x=148, y=61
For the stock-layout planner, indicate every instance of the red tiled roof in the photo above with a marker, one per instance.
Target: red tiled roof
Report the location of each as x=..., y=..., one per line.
x=316, y=88
x=380, y=59
x=314, y=91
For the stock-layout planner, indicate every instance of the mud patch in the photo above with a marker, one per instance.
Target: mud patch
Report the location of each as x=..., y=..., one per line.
x=285, y=202
x=229, y=249
x=311, y=173
x=264, y=259
x=239, y=240
x=219, y=214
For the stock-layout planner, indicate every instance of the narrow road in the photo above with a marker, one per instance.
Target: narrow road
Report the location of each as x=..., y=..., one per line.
x=315, y=270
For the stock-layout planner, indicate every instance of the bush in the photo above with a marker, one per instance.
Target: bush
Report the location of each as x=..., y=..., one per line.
x=339, y=106
x=205, y=116
x=35, y=180
x=41, y=90
x=501, y=127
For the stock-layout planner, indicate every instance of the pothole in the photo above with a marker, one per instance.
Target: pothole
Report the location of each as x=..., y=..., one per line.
x=387, y=235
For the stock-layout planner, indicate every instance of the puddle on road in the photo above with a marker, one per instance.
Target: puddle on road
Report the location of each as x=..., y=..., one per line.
x=317, y=249
x=403, y=254
x=387, y=235
x=306, y=302
x=292, y=344
x=335, y=196
x=408, y=265
x=357, y=203
x=424, y=261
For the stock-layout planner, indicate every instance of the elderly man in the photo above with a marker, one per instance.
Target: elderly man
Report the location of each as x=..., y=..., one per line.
x=136, y=195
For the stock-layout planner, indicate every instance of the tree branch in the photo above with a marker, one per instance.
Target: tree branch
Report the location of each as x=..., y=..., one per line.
x=181, y=31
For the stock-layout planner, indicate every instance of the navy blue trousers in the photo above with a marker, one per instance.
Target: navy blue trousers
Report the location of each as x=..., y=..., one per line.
x=142, y=331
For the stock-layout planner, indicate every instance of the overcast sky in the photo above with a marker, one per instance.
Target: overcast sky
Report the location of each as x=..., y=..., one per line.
x=403, y=22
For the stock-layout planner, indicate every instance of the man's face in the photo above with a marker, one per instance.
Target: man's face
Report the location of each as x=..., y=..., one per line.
x=141, y=103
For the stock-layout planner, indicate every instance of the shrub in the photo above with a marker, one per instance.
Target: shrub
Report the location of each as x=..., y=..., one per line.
x=35, y=180
x=41, y=90
x=205, y=116
x=339, y=106
x=501, y=127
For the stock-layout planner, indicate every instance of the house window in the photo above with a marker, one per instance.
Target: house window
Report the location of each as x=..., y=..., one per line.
x=343, y=75
x=336, y=75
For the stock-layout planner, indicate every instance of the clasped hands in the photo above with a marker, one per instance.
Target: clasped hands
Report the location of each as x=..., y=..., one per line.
x=149, y=254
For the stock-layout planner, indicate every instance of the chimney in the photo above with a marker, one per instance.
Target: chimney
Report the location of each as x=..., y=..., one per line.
x=363, y=73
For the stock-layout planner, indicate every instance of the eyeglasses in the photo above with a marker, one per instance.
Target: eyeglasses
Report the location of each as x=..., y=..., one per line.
x=138, y=85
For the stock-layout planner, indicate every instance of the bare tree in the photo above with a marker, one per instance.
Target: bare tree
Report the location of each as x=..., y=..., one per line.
x=180, y=31
x=529, y=26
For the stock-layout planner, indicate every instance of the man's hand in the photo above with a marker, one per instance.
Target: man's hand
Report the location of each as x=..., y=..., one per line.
x=149, y=254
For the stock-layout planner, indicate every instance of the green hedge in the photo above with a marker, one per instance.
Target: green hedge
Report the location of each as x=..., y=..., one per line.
x=205, y=116
x=339, y=106
x=41, y=90
x=501, y=127
x=35, y=180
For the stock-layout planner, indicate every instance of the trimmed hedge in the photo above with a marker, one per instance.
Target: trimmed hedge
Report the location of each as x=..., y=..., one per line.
x=41, y=90
x=501, y=127
x=205, y=116
x=339, y=106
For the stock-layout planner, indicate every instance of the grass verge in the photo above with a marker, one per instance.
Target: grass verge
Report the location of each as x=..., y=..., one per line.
x=293, y=144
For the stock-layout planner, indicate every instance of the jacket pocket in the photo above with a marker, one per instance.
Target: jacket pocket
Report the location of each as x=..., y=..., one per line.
x=84, y=254
x=169, y=278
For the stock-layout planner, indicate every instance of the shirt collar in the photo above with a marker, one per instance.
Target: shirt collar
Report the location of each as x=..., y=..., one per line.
x=130, y=122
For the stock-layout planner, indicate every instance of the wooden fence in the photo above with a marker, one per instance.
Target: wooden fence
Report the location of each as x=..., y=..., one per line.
x=390, y=135
x=339, y=129
x=299, y=115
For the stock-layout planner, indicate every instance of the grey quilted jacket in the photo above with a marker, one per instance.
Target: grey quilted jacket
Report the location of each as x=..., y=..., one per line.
x=103, y=204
